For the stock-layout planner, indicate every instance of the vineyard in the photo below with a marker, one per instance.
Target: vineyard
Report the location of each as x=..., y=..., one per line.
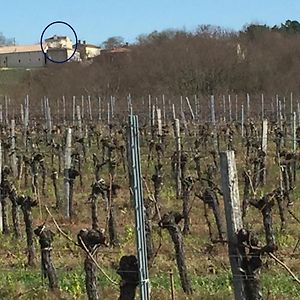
x=218, y=188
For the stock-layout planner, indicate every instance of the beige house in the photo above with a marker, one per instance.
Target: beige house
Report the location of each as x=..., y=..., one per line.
x=87, y=51
x=22, y=56
x=59, y=42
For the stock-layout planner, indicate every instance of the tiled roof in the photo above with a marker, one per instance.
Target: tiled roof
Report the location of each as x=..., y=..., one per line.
x=120, y=50
x=21, y=48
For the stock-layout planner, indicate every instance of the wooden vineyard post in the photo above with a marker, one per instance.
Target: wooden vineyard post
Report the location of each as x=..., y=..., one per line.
x=190, y=108
x=164, y=109
x=79, y=121
x=113, y=107
x=196, y=108
x=1, y=114
x=99, y=109
x=48, y=118
x=298, y=113
x=277, y=109
x=90, y=108
x=67, y=171
x=108, y=114
x=1, y=216
x=159, y=122
x=248, y=106
x=264, y=136
x=150, y=112
x=6, y=110
x=229, y=106
x=280, y=116
x=224, y=108
x=181, y=106
x=294, y=127
x=64, y=110
x=213, y=120
x=264, y=144
x=82, y=107
x=284, y=109
x=21, y=112
x=236, y=108
x=173, y=111
x=73, y=109
x=262, y=107
x=13, y=150
x=234, y=222
x=178, y=155
x=26, y=120
x=153, y=122
x=242, y=121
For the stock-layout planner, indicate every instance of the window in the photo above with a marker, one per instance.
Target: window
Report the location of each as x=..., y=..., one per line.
x=19, y=60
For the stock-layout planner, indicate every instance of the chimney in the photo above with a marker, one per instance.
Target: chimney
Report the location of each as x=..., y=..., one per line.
x=79, y=41
x=84, y=42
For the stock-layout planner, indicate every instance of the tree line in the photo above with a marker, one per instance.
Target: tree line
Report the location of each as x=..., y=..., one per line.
x=208, y=60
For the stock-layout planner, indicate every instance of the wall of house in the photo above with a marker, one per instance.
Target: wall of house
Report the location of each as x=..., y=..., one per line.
x=92, y=52
x=62, y=54
x=22, y=60
x=58, y=55
x=59, y=43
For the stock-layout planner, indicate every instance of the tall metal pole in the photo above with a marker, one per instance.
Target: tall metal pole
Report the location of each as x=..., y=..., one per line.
x=137, y=193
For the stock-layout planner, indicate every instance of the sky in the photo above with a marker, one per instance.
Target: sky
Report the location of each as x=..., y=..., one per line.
x=97, y=20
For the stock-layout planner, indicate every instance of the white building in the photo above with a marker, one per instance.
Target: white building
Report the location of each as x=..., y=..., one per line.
x=87, y=51
x=58, y=48
x=59, y=42
x=22, y=56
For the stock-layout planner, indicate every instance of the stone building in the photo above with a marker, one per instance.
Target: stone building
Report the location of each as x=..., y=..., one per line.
x=22, y=56
x=87, y=51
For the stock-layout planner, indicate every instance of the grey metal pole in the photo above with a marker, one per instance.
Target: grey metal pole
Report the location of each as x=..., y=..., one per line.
x=137, y=193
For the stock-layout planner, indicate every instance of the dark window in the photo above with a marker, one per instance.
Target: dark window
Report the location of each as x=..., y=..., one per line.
x=19, y=60
x=39, y=59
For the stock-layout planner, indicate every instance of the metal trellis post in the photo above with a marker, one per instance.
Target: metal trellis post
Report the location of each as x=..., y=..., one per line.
x=137, y=194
